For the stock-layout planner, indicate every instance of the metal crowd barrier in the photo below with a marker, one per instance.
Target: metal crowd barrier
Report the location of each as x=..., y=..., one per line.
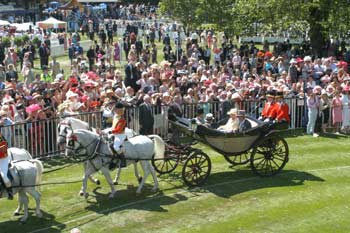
x=39, y=137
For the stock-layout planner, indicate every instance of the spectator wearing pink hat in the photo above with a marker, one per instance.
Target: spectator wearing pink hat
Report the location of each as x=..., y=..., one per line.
x=345, y=113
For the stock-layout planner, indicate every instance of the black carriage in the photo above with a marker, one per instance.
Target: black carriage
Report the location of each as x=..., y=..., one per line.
x=263, y=146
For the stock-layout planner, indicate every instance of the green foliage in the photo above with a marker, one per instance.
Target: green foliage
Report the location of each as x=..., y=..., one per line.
x=319, y=18
x=6, y=41
x=18, y=41
x=25, y=38
x=36, y=41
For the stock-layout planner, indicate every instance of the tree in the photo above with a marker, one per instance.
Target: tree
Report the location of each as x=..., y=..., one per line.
x=182, y=10
x=319, y=19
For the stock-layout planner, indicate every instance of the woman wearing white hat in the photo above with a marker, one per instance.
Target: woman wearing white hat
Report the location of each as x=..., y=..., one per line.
x=232, y=124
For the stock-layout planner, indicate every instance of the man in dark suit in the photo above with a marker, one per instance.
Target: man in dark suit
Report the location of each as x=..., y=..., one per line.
x=146, y=119
x=131, y=76
x=244, y=124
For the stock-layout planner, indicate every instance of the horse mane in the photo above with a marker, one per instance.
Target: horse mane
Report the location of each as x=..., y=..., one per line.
x=71, y=121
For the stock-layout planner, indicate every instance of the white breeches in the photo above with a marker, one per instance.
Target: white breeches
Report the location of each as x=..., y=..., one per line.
x=4, y=165
x=118, y=141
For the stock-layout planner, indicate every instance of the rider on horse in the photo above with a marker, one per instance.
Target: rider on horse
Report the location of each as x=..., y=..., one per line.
x=118, y=128
x=4, y=164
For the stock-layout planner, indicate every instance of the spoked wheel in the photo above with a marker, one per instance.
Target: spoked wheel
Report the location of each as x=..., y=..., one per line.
x=196, y=168
x=167, y=164
x=170, y=160
x=269, y=156
x=239, y=159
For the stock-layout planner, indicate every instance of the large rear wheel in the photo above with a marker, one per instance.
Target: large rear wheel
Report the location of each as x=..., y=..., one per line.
x=269, y=156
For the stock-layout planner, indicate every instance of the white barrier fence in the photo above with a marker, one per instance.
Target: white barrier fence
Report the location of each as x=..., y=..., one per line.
x=39, y=137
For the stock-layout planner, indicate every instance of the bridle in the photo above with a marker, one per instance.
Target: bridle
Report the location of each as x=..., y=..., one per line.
x=72, y=139
x=67, y=126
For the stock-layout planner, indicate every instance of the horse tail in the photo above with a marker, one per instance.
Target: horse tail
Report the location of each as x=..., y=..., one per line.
x=40, y=169
x=159, y=146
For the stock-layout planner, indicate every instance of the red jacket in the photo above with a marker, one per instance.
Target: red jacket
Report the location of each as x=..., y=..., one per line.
x=269, y=111
x=3, y=148
x=118, y=126
x=282, y=112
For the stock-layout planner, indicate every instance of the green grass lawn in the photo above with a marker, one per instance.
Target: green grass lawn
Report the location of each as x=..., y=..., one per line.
x=310, y=195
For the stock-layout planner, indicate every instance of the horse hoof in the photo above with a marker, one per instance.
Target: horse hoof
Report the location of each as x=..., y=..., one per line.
x=86, y=195
x=98, y=182
x=39, y=215
x=23, y=220
x=16, y=214
x=140, y=179
x=115, y=182
x=111, y=196
x=81, y=193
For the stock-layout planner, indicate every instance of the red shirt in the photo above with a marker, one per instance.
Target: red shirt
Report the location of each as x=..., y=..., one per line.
x=119, y=126
x=3, y=147
x=269, y=110
x=282, y=112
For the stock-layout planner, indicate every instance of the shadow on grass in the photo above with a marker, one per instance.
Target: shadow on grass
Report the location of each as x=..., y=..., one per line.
x=57, y=163
x=227, y=184
x=333, y=135
x=34, y=224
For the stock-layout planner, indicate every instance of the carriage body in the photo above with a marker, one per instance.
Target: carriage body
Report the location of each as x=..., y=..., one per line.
x=262, y=146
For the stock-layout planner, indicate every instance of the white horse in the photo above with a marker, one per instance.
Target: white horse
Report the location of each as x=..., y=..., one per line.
x=18, y=154
x=26, y=175
x=90, y=145
x=74, y=124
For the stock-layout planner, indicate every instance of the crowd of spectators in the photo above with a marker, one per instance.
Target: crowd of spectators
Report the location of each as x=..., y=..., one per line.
x=203, y=69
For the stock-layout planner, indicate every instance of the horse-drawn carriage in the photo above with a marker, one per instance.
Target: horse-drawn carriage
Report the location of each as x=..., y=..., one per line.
x=262, y=146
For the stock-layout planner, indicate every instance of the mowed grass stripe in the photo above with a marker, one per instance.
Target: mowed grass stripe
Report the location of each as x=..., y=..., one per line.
x=244, y=202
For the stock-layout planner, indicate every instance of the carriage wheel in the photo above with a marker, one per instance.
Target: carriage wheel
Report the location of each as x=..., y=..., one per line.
x=239, y=159
x=167, y=164
x=269, y=156
x=196, y=168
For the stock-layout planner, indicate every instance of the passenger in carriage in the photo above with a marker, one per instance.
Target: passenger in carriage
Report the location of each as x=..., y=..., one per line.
x=200, y=116
x=244, y=124
x=232, y=124
x=269, y=112
x=281, y=109
x=209, y=120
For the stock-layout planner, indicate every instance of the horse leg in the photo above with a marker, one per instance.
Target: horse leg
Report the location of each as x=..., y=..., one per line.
x=92, y=179
x=146, y=173
x=115, y=181
x=23, y=199
x=36, y=195
x=108, y=177
x=87, y=172
x=138, y=177
x=155, y=180
x=19, y=208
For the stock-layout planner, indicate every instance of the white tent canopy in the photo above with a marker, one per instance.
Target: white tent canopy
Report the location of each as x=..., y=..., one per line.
x=52, y=23
x=4, y=23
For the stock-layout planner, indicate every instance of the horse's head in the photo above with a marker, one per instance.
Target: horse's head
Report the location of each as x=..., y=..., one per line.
x=80, y=143
x=63, y=128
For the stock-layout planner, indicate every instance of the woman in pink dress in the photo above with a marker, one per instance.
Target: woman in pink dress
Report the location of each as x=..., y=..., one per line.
x=116, y=52
x=337, y=110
